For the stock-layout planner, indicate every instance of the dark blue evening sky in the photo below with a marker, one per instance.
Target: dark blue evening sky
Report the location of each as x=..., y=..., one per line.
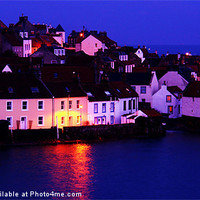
x=127, y=22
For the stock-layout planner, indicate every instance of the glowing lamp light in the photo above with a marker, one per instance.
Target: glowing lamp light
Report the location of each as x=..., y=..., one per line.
x=187, y=54
x=81, y=106
x=81, y=34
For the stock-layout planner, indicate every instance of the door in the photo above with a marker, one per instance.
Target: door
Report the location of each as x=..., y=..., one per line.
x=70, y=121
x=23, y=123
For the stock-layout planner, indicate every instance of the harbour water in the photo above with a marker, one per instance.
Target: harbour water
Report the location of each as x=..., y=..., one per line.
x=162, y=168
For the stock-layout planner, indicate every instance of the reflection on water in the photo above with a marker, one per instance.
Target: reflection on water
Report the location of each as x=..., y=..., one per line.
x=165, y=168
x=72, y=168
x=62, y=168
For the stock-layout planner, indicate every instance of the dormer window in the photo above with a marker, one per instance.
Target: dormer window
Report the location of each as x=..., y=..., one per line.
x=107, y=93
x=67, y=89
x=10, y=90
x=34, y=90
x=118, y=90
x=89, y=94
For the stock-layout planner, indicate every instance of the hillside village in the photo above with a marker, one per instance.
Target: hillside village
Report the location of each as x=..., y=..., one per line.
x=48, y=78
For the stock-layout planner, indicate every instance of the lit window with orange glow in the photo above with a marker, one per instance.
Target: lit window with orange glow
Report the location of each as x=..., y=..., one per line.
x=78, y=120
x=62, y=120
x=168, y=98
x=170, y=109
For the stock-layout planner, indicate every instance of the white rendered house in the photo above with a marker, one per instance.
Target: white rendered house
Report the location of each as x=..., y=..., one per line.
x=172, y=78
x=191, y=100
x=168, y=100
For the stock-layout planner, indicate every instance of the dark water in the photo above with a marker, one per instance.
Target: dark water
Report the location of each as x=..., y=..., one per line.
x=162, y=168
x=173, y=49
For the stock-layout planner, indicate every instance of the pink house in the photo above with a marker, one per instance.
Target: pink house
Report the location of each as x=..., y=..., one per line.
x=25, y=101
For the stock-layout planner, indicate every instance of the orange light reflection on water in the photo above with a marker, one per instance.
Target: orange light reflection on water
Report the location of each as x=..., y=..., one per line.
x=72, y=168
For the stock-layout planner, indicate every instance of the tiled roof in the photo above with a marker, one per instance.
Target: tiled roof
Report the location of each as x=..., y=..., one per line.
x=13, y=38
x=192, y=89
x=98, y=92
x=21, y=85
x=59, y=73
x=152, y=113
x=2, y=25
x=66, y=89
x=138, y=78
x=123, y=90
x=174, y=89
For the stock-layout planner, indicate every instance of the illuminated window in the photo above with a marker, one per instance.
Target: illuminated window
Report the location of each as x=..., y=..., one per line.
x=168, y=98
x=24, y=105
x=124, y=105
x=62, y=105
x=77, y=104
x=70, y=105
x=112, y=107
x=170, y=109
x=95, y=108
x=78, y=120
x=40, y=105
x=40, y=121
x=9, y=106
x=143, y=89
x=62, y=120
x=103, y=107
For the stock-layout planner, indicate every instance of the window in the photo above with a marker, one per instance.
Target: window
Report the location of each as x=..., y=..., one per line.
x=143, y=100
x=10, y=90
x=34, y=90
x=40, y=121
x=78, y=120
x=103, y=107
x=55, y=75
x=95, y=108
x=10, y=120
x=62, y=105
x=77, y=104
x=70, y=105
x=168, y=98
x=143, y=89
x=124, y=105
x=133, y=103
x=95, y=44
x=179, y=109
x=129, y=104
x=107, y=93
x=9, y=106
x=111, y=119
x=133, y=87
x=40, y=105
x=170, y=109
x=62, y=120
x=112, y=107
x=24, y=105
